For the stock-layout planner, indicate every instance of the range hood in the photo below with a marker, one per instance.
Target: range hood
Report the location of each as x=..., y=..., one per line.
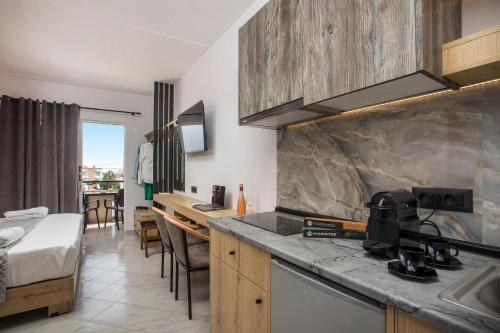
x=419, y=83
x=287, y=114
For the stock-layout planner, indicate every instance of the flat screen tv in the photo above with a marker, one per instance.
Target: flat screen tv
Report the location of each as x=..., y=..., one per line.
x=192, y=131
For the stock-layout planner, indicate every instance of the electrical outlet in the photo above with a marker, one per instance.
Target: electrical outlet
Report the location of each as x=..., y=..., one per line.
x=194, y=189
x=451, y=199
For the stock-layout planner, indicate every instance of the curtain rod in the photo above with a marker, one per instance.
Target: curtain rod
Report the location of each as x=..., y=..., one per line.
x=132, y=113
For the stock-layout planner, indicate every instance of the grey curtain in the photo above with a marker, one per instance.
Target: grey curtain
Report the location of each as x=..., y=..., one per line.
x=39, y=155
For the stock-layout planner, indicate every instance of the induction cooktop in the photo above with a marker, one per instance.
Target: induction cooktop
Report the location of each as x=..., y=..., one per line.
x=273, y=222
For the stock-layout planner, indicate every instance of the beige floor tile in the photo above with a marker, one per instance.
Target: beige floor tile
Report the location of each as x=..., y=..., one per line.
x=111, y=293
x=181, y=324
x=117, y=315
x=89, y=288
x=90, y=327
x=88, y=308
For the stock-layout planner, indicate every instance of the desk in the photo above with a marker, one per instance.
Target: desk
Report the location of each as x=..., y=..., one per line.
x=101, y=196
x=182, y=205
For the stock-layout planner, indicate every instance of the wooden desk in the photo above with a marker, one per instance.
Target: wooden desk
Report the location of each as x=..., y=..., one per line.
x=183, y=206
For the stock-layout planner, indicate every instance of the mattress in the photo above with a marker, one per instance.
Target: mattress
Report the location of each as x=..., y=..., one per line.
x=50, y=251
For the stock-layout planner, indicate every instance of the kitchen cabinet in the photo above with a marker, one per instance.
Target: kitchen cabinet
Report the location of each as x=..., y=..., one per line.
x=254, y=265
x=399, y=321
x=474, y=58
x=270, y=56
x=253, y=308
x=223, y=296
x=238, y=302
x=350, y=46
x=226, y=248
x=305, y=59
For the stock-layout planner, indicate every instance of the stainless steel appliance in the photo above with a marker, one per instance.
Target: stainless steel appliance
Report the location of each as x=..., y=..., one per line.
x=302, y=302
x=279, y=223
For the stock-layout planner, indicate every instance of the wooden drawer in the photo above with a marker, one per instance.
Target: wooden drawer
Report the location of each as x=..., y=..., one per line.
x=223, y=297
x=253, y=308
x=225, y=247
x=255, y=265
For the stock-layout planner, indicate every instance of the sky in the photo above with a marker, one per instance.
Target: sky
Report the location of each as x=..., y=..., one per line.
x=103, y=145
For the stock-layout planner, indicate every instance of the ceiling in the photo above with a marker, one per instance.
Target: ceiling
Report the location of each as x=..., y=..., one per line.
x=112, y=44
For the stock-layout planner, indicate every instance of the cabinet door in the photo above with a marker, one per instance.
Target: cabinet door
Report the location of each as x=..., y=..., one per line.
x=284, y=81
x=350, y=45
x=223, y=297
x=225, y=247
x=255, y=265
x=270, y=57
x=252, y=57
x=253, y=308
x=399, y=321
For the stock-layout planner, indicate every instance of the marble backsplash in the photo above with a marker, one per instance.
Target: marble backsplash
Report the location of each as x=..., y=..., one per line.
x=333, y=166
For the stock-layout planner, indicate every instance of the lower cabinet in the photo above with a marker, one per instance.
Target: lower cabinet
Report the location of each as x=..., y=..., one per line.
x=399, y=321
x=253, y=308
x=223, y=297
x=236, y=303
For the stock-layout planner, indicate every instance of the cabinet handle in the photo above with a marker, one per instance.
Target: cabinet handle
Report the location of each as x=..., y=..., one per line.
x=232, y=252
x=258, y=301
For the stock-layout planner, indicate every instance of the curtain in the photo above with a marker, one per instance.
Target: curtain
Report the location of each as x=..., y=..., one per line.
x=39, y=155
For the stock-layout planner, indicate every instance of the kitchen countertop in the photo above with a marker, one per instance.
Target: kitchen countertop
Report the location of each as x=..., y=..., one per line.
x=347, y=263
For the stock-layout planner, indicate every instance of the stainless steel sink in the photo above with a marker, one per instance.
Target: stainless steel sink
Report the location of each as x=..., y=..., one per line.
x=478, y=291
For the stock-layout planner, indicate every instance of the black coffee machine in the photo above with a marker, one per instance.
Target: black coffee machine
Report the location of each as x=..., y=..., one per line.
x=393, y=221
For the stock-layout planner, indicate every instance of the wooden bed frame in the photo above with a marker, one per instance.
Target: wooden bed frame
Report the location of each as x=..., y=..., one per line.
x=57, y=295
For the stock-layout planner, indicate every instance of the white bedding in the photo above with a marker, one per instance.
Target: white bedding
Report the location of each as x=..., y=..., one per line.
x=50, y=251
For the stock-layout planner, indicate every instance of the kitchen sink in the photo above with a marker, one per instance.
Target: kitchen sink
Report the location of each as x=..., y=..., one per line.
x=478, y=291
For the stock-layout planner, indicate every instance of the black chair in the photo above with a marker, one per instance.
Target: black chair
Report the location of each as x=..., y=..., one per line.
x=192, y=258
x=117, y=205
x=87, y=209
x=166, y=244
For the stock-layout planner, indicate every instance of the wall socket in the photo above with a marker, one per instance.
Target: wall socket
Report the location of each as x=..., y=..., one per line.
x=194, y=189
x=451, y=199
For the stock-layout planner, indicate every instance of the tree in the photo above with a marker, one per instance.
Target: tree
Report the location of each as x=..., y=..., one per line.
x=109, y=175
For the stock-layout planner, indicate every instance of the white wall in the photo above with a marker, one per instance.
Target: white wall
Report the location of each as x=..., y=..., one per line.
x=235, y=154
x=479, y=14
x=135, y=127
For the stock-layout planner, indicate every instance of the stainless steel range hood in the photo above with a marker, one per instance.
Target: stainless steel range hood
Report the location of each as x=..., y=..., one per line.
x=419, y=83
x=288, y=114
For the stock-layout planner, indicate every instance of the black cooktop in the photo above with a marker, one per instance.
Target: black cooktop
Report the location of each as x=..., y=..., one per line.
x=273, y=222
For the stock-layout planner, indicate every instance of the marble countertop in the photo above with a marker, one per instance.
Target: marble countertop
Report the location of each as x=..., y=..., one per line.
x=347, y=263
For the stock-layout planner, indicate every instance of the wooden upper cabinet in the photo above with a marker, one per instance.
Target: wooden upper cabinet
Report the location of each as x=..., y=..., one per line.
x=253, y=65
x=270, y=57
x=351, y=45
x=284, y=62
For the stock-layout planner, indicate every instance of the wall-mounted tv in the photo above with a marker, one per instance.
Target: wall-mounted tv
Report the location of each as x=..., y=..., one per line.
x=192, y=131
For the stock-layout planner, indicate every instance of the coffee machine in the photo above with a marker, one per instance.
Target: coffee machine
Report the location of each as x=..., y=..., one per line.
x=393, y=222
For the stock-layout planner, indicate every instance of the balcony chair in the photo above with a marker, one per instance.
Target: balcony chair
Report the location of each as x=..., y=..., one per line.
x=87, y=209
x=117, y=205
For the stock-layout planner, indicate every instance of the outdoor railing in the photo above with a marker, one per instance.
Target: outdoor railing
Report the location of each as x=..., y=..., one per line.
x=89, y=185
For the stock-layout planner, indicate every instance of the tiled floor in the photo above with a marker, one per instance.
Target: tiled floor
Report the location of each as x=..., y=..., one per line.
x=121, y=291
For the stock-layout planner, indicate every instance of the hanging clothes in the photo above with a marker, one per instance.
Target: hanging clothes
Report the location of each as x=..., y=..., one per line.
x=136, y=165
x=148, y=191
x=145, y=173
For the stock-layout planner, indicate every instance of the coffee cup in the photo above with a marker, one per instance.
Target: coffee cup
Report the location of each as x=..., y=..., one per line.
x=439, y=250
x=411, y=259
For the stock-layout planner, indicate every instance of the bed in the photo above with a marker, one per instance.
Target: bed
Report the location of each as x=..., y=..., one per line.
x=43, y=266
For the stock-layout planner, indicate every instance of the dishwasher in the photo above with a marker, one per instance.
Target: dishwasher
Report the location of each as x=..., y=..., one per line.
x=303, y=302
